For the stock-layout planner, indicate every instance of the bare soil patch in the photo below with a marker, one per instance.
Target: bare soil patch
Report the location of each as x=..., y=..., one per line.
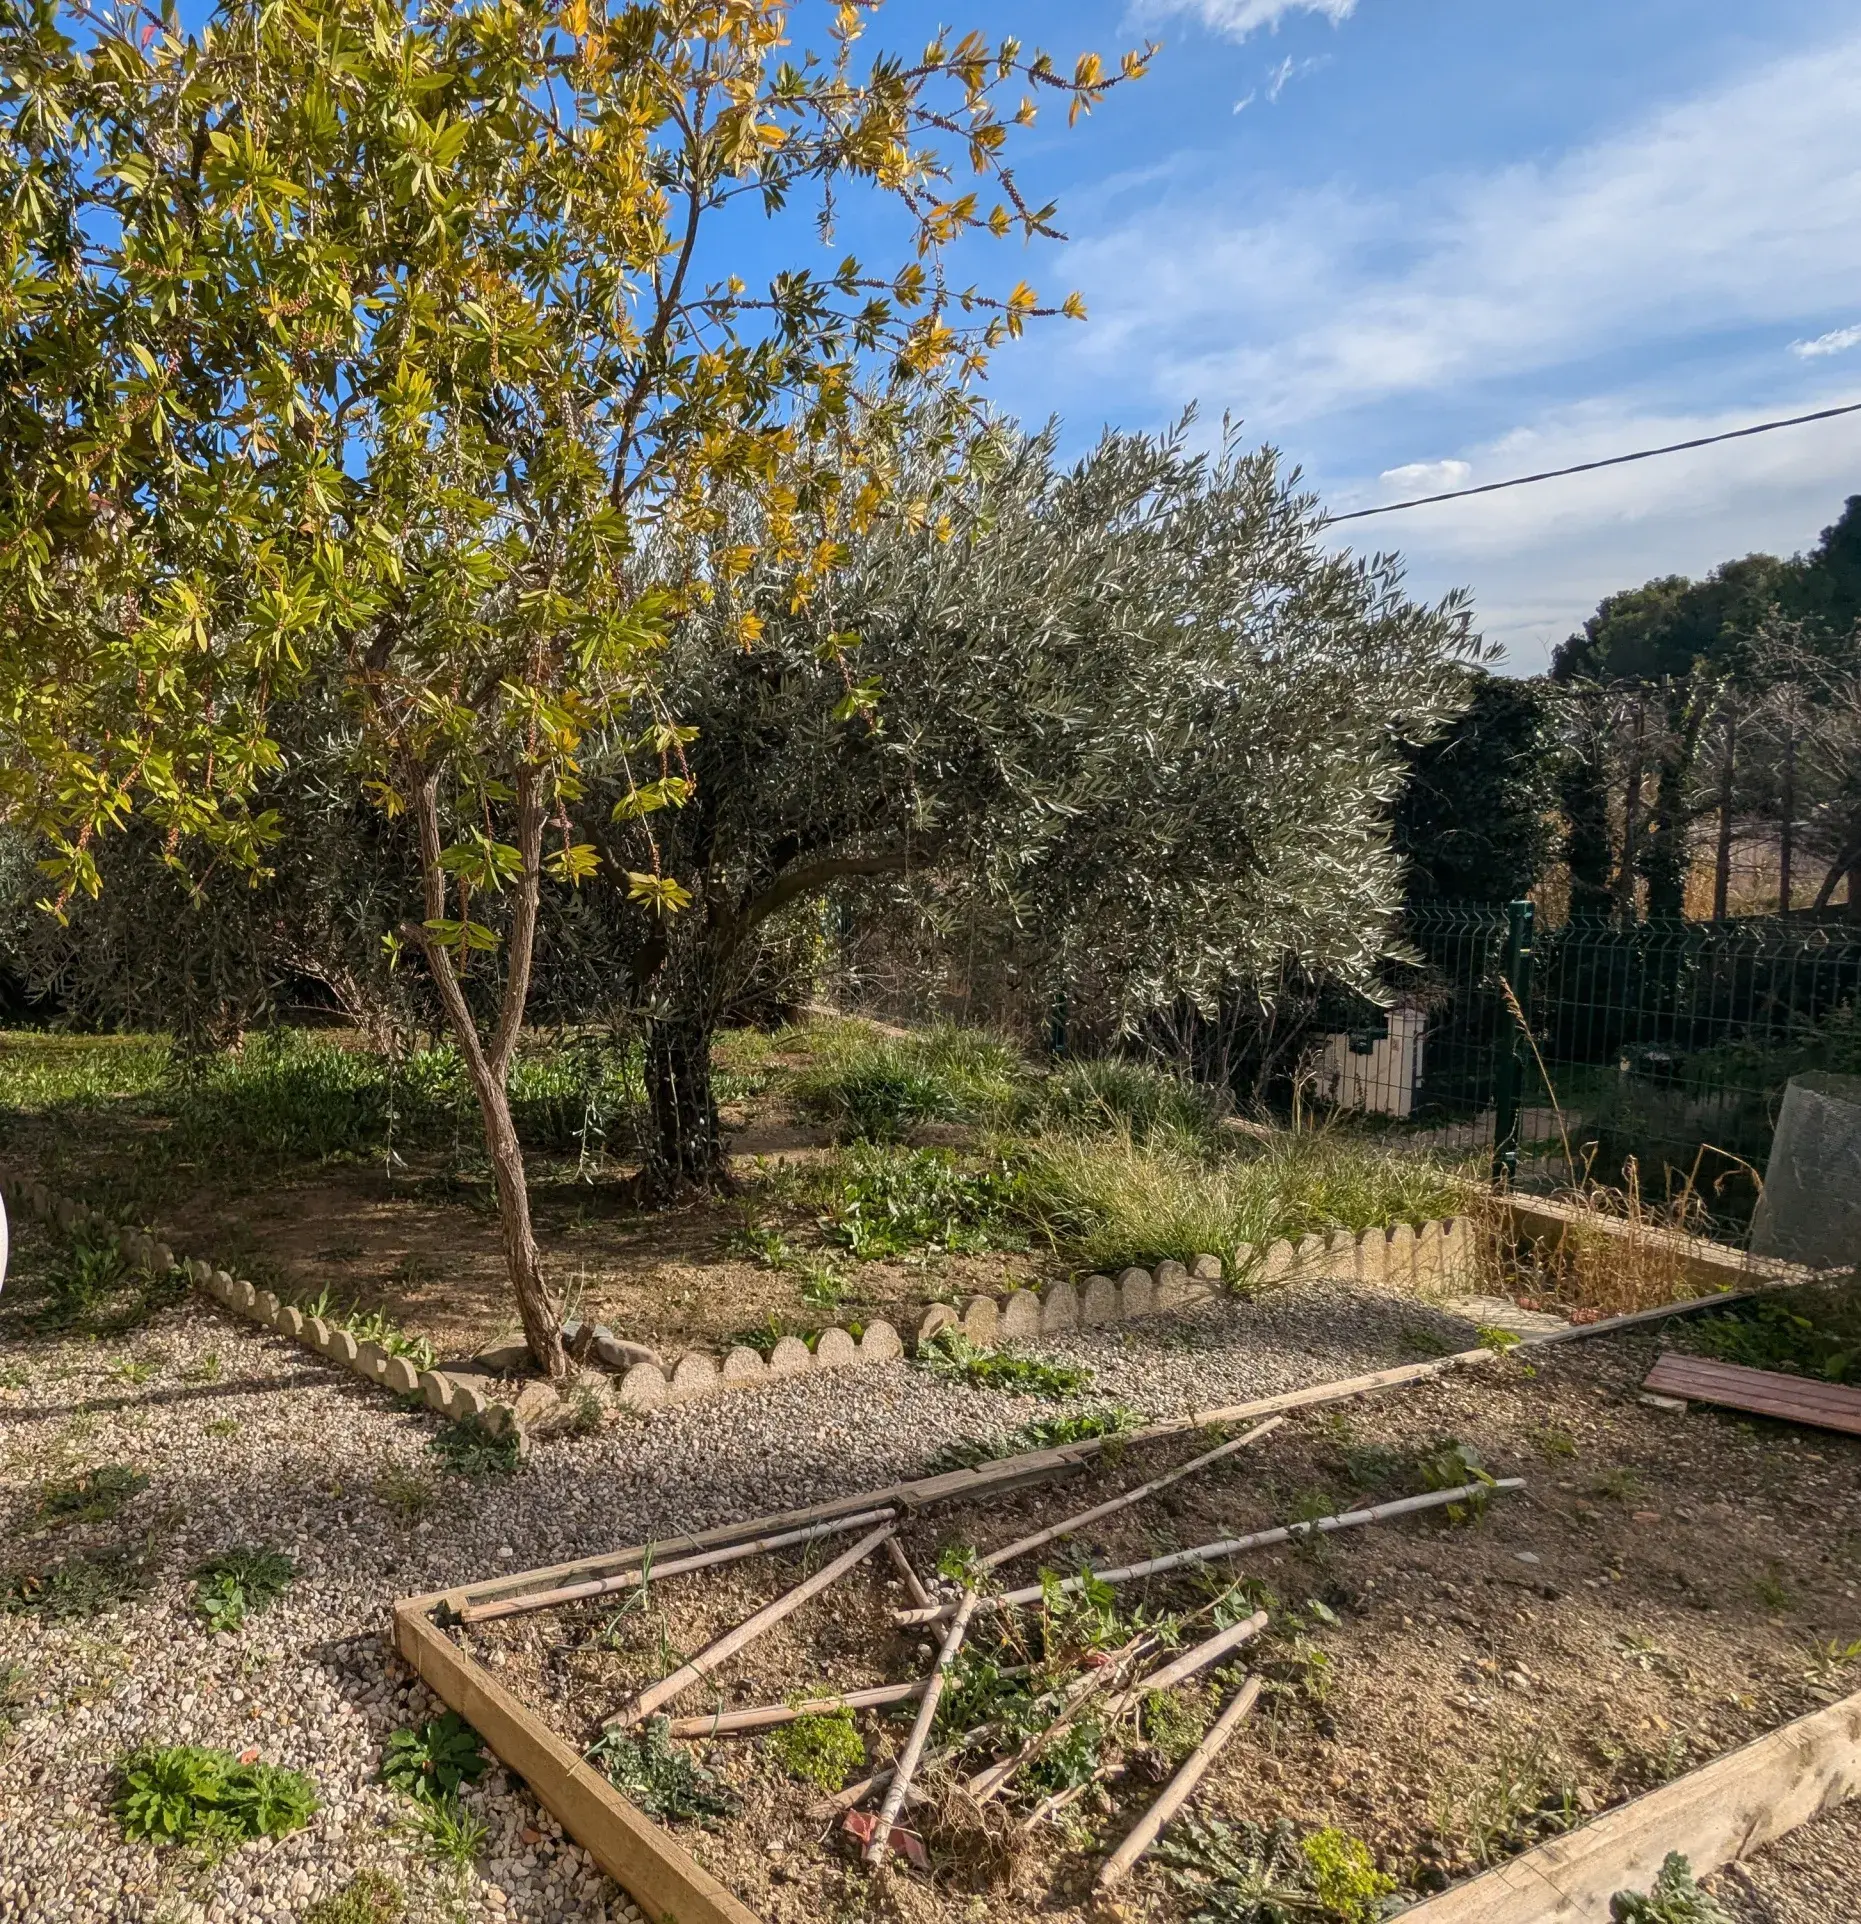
x=1666, y=1588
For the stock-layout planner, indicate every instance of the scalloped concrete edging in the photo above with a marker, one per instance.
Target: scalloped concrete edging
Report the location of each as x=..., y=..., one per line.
x=1438, y=1255
x=448, y=1395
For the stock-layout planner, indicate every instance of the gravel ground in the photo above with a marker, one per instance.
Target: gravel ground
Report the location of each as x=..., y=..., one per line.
x=246, y=1440
x=1809, y=1877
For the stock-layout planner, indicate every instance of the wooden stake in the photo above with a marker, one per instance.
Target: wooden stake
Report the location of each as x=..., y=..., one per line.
x=1073, y=1524
x=906, y=1767
x=902, y=1564
x=748, y=1631
x=632, y=1579
x=1176, y=1792
x=728, y=1723
x=1234, y=1546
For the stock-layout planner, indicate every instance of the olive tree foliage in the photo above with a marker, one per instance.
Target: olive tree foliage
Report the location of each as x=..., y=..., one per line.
x=1132, y=710
x=351, y=348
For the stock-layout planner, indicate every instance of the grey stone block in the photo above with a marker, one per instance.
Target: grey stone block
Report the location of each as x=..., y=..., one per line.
x=743, y=1365
x=980, y=1317
x=1137, y=1294
x=1810, y=1211
x=1098, y=1302
x=694, y=1374
x=880, y=1343
x=836, y=1350
x=790, y=1357
x=399, y=1375
x=437, y=1391
x=643, y=1387
x=939, y=1316
x=1020, y=1318
x=1059, y=1309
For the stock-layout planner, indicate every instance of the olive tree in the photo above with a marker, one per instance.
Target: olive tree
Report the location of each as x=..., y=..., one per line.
x=1134, y=707
x=355, y=347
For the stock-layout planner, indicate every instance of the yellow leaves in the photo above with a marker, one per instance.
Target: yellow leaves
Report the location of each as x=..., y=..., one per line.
x=670, y=791
x=1074, y=306
x=749, y=630
x=736, y=561
x=386, y=797
x=575, y=864
x=657, y=892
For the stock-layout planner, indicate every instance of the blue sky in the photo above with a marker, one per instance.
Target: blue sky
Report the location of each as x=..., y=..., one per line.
x=1426, y=243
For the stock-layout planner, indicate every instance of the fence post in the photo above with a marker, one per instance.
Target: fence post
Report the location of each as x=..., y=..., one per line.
x=1510, y=1068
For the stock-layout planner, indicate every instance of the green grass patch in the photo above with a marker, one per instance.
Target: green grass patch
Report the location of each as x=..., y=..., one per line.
x=1043, y=1433
x=177, y=1794
x=467, y=1448
x=1117, y=1097
x=369, y=1897
x=877, y=1088
x=1817, y=1332
x=76, y=1588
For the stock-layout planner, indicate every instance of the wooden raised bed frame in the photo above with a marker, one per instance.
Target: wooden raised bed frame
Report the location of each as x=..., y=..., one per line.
x=1722, y=1811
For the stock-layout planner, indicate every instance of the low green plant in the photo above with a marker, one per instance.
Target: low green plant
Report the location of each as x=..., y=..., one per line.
x=221, y=1426
x=1175, y=1722
x=467, y=1448
x=405, y=1492
x=206, y=1370
x=1497, y=1337
x=662, y=1780
x=79, y=1587
x=172, y=1794
x=94, y=1497
x=449, y=1833
x=431, y=1762
x=1426, y=1340
x=1619, y=1485
x=1043, y=1433
x=1675, y=1898
x=891, y=1202
x=951, y=1355
x=1239, y=1873
x=15, y=1694
x=1828, y=1660
x=822, y=1286
x=240, y=1582
x=976, y=1691
x=823, y=1748
x=756, y=1244
x=1773, y=1589
x=1814, y=1334
x=378, y=1327
x=1450, y=1464
x=876, y=1088
x=369, y=1897
x=1111, y=1093
x=1522, y=1790
x=1071, y=1759
x=87, y=1275
x=1553, y=1443
x=1344, y=1876
x=134, y=1371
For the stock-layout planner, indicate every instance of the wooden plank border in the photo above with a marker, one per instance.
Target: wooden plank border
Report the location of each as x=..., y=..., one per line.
x=1713, y=1816
x=647, y=1861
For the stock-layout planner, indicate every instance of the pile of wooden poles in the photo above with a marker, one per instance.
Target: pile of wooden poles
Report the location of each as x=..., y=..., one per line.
x=1117, y=1687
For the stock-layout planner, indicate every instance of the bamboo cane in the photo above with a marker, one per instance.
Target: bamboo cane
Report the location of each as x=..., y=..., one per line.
x=730, y=1723
x=1189, y=1663
x=902, y=1564
x=1176, y=1792
x=906, y=1767
x=631, y=1579
x=1073, y=1524
x=1231, y=1547
x=991, y=1782
x=748, y=1631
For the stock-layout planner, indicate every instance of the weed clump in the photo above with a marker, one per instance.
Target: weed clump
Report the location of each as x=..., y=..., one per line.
x=1674, y=1899
x=184, y=1793
x=369, y=1897
x=1043, y=1433
x=240, y=1582
x=79, y=1587
x=1255, y=1874
x=94, y=1497
x=951, y=1355
x=662, y=1780
x=467, y=1448
x=823, y=1748
x=890, y=1202
x=431, y=1763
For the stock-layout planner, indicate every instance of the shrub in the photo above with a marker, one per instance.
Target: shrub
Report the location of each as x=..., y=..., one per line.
x=823, y=1749
x=240, y=1581
x=430, y=1763
x=170, y=1795
x=875, y=1088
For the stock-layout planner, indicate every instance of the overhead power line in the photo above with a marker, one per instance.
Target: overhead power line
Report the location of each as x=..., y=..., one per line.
x=1611, y=461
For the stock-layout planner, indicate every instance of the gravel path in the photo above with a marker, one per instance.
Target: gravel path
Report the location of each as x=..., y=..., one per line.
x=246, y=1440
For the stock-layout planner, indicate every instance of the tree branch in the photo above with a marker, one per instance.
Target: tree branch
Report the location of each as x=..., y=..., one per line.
x=816, y=875
x=530, y=825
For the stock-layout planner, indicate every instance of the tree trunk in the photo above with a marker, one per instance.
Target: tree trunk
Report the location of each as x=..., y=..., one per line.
x=686, y=1149
x=489, y=1064
x=1722, y=864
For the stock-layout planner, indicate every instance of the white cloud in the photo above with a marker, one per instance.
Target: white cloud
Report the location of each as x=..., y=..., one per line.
x=1837, y=343
x=1415, y=477
x=1239, y=18
x=1539, y=558
x=1288, y=70
x=1732, y=209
